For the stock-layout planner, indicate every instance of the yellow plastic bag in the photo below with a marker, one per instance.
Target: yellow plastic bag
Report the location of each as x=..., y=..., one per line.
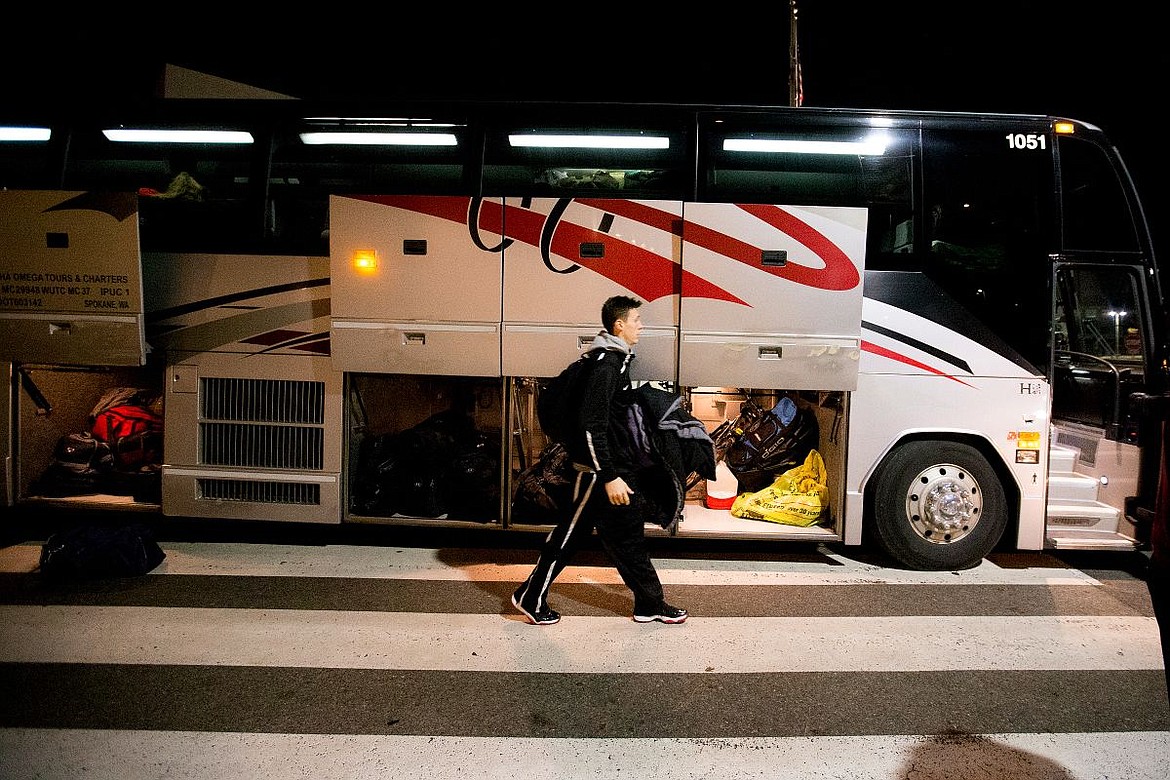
x=797, y=497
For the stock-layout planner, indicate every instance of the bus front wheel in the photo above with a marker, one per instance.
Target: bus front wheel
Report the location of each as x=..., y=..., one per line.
x=938, y=506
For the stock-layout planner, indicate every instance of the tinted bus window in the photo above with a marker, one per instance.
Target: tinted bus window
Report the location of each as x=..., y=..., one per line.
x=29, y=164
x=565, y=160
x=1099, y=346
x=1096, y=215
x=194, y=196
x=811, y=164
x=316, y=157
x=987, y=202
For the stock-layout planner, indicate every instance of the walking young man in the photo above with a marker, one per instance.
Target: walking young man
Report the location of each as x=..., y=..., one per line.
x=605, y=488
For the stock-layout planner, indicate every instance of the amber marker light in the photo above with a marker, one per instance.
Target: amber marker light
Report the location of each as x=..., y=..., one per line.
x=1063, y=128
x=365, y=261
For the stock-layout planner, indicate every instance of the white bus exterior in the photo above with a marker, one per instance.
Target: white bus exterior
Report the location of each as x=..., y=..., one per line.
x=349, y=329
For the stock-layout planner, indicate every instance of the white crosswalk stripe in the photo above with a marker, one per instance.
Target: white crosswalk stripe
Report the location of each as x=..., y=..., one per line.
x=148, y=755
x=487, y=643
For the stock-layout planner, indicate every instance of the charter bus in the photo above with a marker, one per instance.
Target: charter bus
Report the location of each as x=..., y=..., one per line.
x=344, y=313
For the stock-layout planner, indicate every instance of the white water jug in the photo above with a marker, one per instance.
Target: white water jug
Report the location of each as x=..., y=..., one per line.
x=722, y=491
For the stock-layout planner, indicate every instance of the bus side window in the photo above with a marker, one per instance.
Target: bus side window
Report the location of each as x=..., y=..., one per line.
x=1099, y=313
x=879, y=180
x=887, y=192
x=193, y=196
x=303, y=174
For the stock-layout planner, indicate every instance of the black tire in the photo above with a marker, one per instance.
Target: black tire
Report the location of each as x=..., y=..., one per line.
x=938, y=506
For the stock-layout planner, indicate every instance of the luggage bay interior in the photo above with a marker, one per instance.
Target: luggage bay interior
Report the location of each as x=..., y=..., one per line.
x=431, y=449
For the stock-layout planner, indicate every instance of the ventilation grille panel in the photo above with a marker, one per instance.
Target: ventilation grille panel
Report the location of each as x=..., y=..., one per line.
x=262, y=423
x=262, y=400
x=1086, y=444
x=308, y=494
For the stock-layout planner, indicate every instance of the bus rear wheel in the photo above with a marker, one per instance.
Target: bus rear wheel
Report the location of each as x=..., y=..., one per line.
x=938, y=506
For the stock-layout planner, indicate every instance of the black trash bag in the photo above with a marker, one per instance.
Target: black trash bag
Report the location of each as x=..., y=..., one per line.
x=377, y=456
x=416, y=471
x=418, y=490
x=473, y=479
x=395, y=477
x=90, y=552
x=415, y=478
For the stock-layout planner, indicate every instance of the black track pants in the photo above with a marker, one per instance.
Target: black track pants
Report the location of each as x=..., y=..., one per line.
x=622, y=533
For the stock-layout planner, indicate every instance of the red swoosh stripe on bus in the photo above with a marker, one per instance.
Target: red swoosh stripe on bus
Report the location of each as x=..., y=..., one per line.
x=637, y=211
x=839, y=272
x=649, y=275
x=869, y=346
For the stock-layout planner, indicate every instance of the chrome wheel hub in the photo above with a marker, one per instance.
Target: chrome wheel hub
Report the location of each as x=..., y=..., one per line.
x=943, y=504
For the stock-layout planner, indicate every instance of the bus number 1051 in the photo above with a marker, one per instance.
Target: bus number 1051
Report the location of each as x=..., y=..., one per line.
x=1025, y=141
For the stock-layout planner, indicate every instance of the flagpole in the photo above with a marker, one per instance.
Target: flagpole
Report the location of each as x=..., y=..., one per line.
x=795, y=90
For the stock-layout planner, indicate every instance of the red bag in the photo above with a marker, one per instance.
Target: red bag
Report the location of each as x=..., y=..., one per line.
x=133, y=432
x=125, y=420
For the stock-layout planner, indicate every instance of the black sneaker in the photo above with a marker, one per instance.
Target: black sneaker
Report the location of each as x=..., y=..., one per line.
x=665, y=614
x=545, y=617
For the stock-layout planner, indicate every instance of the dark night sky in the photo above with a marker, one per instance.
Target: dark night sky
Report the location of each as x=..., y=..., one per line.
x=1103, y=64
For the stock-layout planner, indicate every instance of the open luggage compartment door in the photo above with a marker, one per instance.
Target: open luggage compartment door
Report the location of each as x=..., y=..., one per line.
x=790, y=313
x=70, y=279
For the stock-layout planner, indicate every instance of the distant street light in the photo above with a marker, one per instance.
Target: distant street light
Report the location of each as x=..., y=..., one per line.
x=1116, y=315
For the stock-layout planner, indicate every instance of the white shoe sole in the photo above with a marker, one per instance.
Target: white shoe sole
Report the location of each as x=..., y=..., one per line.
x=660, y=619
x=531, y=618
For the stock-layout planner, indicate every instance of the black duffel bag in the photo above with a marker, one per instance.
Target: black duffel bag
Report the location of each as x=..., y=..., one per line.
x=90, y=552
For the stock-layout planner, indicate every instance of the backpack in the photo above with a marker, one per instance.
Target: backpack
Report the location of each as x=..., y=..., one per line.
x=559, y=401
x=82, y=453
x=79, y=465
x=544, y=489
x=770, y=443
